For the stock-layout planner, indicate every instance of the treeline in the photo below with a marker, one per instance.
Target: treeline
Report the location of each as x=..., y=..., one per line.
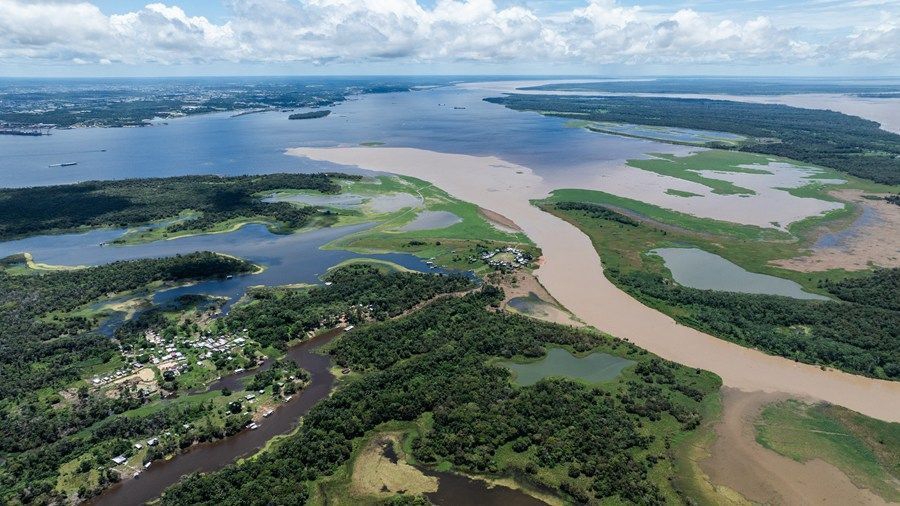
x=880, y=289
x=858, y=338
x=597, y=211
x=846, y=143
x=437, y=360
x=310, y=115
x=41, y=348
x=131, y=202
x=725, y=86
x=361, y=292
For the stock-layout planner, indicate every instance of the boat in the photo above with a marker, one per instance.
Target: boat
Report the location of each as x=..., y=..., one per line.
x=64, y=164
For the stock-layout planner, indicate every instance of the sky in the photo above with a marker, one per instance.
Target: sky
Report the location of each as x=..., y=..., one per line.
x=74, y=38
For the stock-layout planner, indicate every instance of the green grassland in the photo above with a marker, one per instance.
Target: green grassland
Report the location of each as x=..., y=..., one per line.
x=751, y=247
x=451, y=246
x=865, y=449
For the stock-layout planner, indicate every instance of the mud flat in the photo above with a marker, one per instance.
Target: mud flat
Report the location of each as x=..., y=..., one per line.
x=738, y=462
x=572, y=273
x=873, y=239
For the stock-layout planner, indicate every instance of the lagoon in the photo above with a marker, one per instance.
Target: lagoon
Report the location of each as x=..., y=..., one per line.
x=700, y=269
x=594, y=368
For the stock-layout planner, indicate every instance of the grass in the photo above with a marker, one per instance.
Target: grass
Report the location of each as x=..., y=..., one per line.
x=681, y=193
x=623, y=247
x=865, y=449
x=688, y=168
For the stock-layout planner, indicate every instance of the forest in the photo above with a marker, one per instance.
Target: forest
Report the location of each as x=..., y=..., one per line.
x=606, y=441
x=310, y=115
x=41, y=431
x=726, y=86
x=360, y=292
x=131, y=202
x=859, y=333
x=846, y=143
x=41, y=347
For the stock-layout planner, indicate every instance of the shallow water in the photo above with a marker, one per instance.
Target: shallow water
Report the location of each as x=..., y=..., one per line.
x=429, y=220
x=700, y=269
x=594, y=368
x=342, y=200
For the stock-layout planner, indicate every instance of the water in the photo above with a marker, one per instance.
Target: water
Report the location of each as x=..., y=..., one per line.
x=455, y=489
x=594, y=368
x=288, y=259
x=700, y=269
x=429, y=220
x=255, y=143
x=840, y=238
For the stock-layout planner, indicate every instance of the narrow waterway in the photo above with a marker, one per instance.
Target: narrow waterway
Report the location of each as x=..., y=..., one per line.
x=207, y=457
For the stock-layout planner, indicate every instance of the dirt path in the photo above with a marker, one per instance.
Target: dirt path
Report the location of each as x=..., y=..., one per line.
x=572, y=273
x=761, y=475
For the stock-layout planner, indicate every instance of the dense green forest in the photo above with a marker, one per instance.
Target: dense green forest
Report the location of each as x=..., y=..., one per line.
x=859, y=334
x=39, y=432
x=310, y=115
x=361, y=292
x=130, y=202
x=40, y=347
x=606, y=441
x=826, y=138
x=726, y=86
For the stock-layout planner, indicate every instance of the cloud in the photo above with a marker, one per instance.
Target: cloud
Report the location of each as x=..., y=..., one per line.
x=350, y=31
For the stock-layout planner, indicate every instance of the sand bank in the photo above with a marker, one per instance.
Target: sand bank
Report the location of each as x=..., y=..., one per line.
x=873, y=239
x=763, y=476
x=572, y=273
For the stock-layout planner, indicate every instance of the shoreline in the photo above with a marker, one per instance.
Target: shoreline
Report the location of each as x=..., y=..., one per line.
x=573, y=275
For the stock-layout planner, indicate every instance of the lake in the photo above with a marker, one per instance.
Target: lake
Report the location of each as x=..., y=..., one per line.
x=700, y=269
x=287, y=258
x=594, y=368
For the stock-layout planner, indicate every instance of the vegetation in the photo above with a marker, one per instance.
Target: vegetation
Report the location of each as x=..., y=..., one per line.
x=131, y=202
x=41, y=347
x=865, y=449
x=725, y=86
x=310, y=115
x=357, y=292
x=859, y=335
x=133, y=102
x=585, y=442
x=826, y=138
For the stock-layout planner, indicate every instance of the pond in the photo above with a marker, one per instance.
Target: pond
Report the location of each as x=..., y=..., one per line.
x=700, y=269
x=594, y=368
x=429, y=220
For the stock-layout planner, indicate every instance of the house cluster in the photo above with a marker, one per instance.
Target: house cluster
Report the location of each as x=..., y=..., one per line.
x=99, y=381
x=507, y=258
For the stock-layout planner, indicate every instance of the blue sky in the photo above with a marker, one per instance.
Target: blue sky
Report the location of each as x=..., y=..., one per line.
x=608, y=37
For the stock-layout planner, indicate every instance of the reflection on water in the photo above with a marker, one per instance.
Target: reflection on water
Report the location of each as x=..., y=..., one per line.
x=696, y=268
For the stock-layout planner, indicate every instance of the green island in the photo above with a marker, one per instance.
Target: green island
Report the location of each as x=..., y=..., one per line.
x=825, y=138
x=310, y=115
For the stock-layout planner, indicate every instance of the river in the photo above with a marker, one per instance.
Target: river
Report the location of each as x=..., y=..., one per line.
x=207, y=457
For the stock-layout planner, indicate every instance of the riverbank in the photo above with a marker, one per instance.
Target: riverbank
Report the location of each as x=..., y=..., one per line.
x=572, y=273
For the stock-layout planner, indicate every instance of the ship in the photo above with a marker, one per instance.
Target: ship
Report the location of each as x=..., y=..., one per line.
x=64, y=164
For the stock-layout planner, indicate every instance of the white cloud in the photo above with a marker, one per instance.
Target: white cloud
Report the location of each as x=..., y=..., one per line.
x=598, y=31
